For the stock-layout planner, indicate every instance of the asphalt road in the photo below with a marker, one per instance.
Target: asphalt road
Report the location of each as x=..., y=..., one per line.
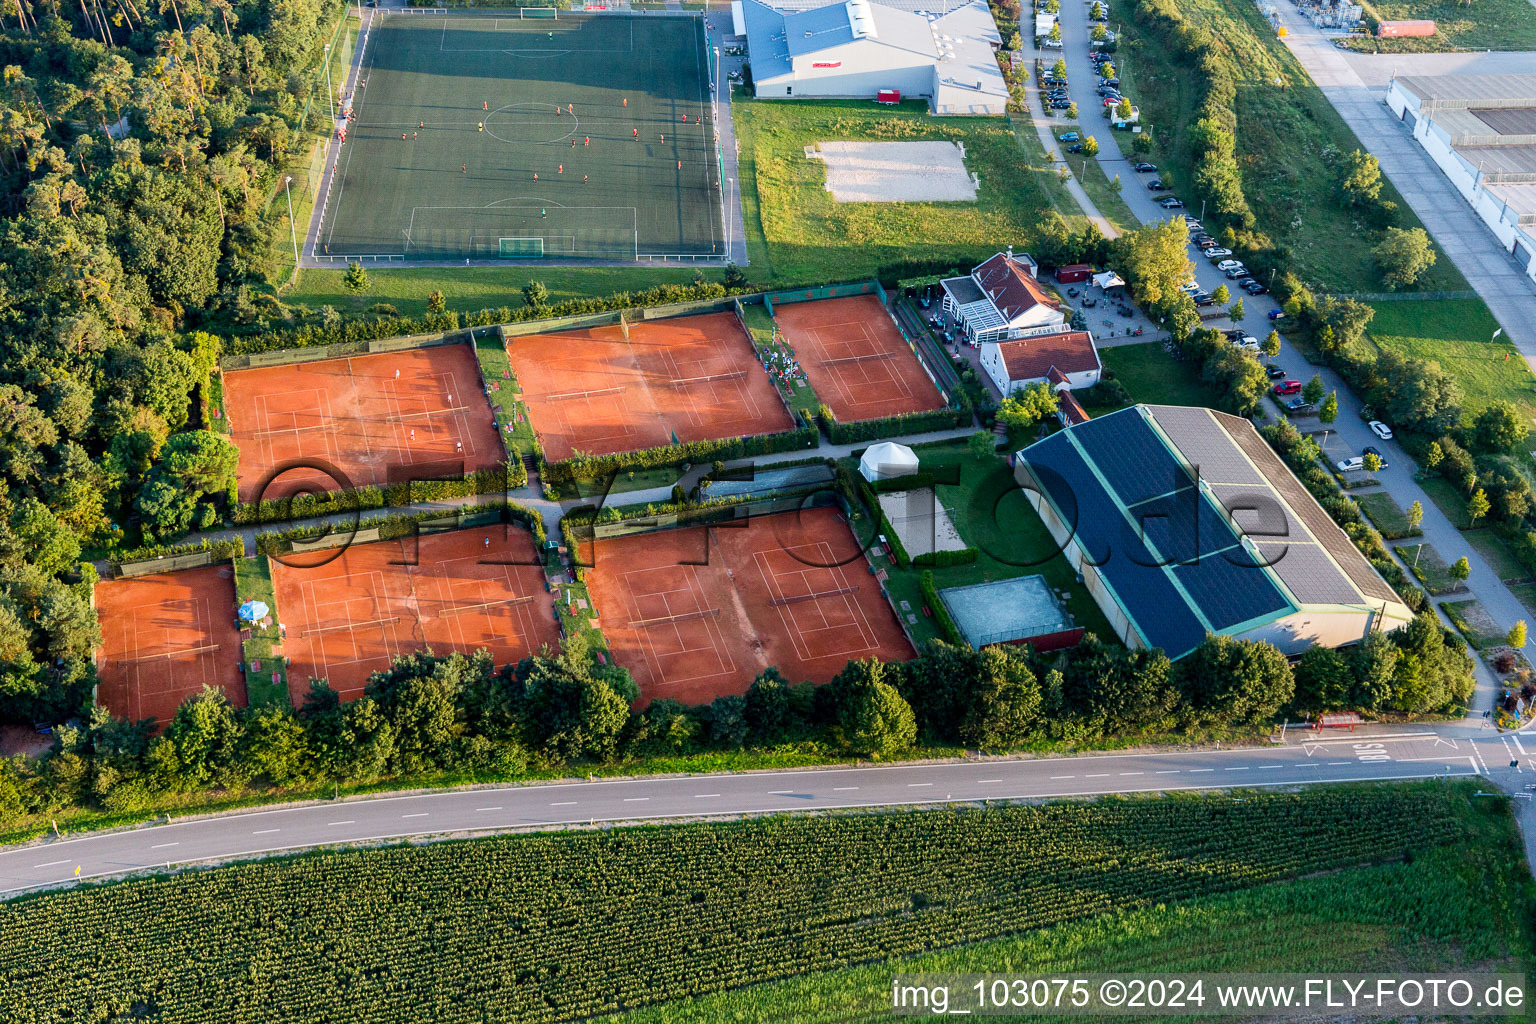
x=1304, y=758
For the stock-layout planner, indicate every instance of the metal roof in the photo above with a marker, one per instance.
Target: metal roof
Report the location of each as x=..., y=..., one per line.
x=1440, y=92
x=1196, y=525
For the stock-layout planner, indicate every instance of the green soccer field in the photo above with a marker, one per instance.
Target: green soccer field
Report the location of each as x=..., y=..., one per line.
x=582, y=137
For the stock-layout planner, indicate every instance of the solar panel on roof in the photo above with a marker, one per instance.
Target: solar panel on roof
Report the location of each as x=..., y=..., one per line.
x=1228, y=594
x=1310, y=574
x=1204, y=446
x=1084, y=506
x=1152, y=600
x=1132, y=458
x=1184, y=526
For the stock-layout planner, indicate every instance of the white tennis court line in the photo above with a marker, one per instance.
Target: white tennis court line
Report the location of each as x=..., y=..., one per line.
x=167, y=670
x=375, y=592
x=443, y=587
x=645, y=636
x=792, y=628
x=450, y=395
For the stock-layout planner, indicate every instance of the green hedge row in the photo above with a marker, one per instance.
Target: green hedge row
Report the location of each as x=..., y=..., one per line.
x=941, y=616
x=910, y=482
x=230, y=547
x=392, y=527
x=899, y=425
x=491, y=480
x=589, y=467
x=358, y=330
x=941, y=559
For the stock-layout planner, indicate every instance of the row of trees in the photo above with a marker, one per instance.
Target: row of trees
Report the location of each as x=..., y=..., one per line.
x=427, y=715
x=137, y=154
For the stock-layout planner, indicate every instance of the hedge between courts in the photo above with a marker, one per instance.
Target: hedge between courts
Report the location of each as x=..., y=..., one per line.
x=229, y=547
x=589, y=467
x=491, y=480
x=853, y=484
x=393, y=527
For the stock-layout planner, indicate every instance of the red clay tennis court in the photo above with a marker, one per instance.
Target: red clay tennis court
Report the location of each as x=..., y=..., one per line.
x=449, y=591
x=163, y=637
x=694, y=378
x=789, y=589
x=855, y=359
x=383, y=418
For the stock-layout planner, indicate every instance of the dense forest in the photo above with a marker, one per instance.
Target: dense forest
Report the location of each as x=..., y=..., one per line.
x=140, y=144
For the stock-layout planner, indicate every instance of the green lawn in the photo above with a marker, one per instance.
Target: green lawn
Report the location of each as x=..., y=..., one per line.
x=1448, y=500
x=1290, y=146
x=1458, y=334
x=574, y=619
x=1485, y=25
x=1497, y=554
x=253, y=581
x=1385, y=513
x=991, y=515
x=471, y=288
x=1426, y=564
x=797, y=233
x=1154, y=377
x=1475, y=623
x=496, y=367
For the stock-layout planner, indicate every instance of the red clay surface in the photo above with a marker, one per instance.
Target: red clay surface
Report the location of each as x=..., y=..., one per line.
x=697, y=377
x=696, y=632
x=432, y=420
x=855, y=359
x=163, y=637
x=352, y=616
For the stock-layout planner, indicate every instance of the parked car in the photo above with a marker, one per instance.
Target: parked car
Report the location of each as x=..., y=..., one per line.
x=1275, y=372
x=1190, y=288
x=1299, y=406
x=1110, y=101
x=1171, y=203
x=1204, y=299
x=1226, y=265
x=1371, y=449
x=1060, y=104
x=1352, y=464
x=1238, y=273
x=1253, y=287
x=1143, y=167
x=1156, y=185
x=1277, y=314
x=1216, y=252
x=1112, y=81
x=1248, y=343
x=1289, y=387
x=1070, y=137
x=1076, y=147
x=1380, y=429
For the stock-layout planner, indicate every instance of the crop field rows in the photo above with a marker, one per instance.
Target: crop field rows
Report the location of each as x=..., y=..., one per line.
x=564, y=926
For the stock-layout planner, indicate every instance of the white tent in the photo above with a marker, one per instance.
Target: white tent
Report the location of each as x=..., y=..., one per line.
x=887, y=460
x=1108, y=279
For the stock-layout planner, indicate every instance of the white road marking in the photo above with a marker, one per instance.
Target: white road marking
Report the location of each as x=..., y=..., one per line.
x=1271, y=766
x=1133, y=773
x=563, y=803
x=1055, y=777
x=983, y=782
x=1193, y=770
x=918, y=785
x=265, y=831
x=704, y=796
x=781, y=792
x=1341, y=762
x=419, y=814
x=1169, y=771
x=839, y=789
x=1097, y=775
x=51, y=864
x=482, y=810
x=1244, y=768
x=164, y=846
x=636, y=799
x=341, y=823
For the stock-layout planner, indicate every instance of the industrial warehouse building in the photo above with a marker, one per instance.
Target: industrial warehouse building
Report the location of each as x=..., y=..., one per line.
x=1481, y=132
x=859, y=48
x=1183, y=521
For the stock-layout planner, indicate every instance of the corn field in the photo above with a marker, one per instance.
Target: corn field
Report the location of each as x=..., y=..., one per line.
x=563, y=926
